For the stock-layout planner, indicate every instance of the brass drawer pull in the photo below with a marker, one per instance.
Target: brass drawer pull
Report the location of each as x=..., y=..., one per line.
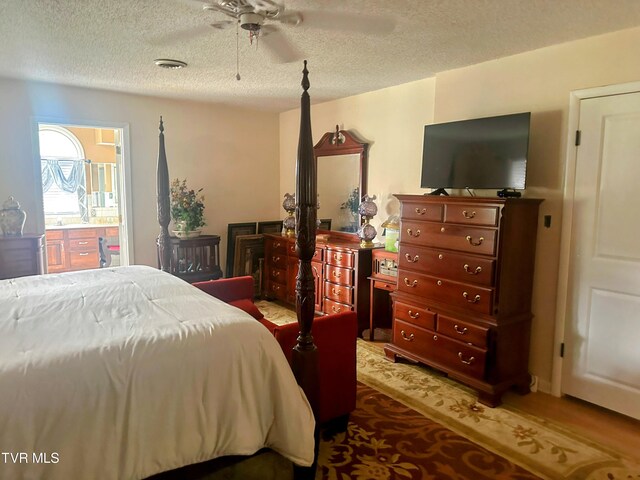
x=475, y=244
x=439, y=283
x=411, y=260
x=412, y=234
x=275, y=273
x=337, y=257
x=335, y=292
x=336, y=274
x=466, y=214
x=275, y=288
x=410, y=284
x=421, y=211
x=275, y=259
x=459, y=330
x=414, y=315
x=336, y=309
x=440, y=256
x=83, y=254
x=276, y=245
x=475, y=299
x=472, y=272
x=466, y=362
x=83, y=243
x=405, y=337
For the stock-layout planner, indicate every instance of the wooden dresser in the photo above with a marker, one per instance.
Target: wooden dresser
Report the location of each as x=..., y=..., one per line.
x=76, y=248
x=465, y=277
x=341, y=268
x=21, y=256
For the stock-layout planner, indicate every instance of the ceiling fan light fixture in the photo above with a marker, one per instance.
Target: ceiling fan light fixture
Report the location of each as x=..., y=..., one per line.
x=168, y=63
x=251, y=21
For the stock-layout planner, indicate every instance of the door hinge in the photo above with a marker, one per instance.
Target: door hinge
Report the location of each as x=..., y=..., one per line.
x=562, y=350
x=578, y=137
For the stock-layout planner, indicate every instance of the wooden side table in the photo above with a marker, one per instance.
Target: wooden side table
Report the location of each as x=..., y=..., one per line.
x=383, y=280
x=21, y=256
x=195, y=259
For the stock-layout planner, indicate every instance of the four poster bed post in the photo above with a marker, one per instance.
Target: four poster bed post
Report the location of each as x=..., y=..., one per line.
x=304, y=357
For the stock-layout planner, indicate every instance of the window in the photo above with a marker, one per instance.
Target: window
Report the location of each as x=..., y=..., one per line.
x=63, y=172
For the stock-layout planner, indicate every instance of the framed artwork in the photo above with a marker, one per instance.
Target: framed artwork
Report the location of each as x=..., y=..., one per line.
x=248, y=259
x=270, y=227
x=233, y=231
x=325, y=224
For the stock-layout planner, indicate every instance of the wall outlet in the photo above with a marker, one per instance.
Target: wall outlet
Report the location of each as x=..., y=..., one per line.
x=533, y=385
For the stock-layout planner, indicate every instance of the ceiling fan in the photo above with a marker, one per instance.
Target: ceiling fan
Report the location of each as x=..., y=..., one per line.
x=266, y=20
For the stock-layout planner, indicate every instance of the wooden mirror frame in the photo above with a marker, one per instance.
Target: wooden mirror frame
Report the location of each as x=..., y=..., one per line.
x=342, y=142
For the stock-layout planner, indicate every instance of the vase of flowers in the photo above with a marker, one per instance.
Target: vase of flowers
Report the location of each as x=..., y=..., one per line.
x=187, y=209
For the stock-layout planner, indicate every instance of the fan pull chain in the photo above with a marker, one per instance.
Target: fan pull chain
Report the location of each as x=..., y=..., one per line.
x=238, y=51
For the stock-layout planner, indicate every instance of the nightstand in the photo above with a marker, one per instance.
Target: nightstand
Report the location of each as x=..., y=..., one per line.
x=383, y=281
x=21, y=256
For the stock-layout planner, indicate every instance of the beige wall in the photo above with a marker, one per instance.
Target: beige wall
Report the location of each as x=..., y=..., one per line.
x=232, y=153
x=538, y=81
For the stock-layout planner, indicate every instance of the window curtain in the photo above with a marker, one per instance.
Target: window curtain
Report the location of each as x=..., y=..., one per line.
x=54, y=171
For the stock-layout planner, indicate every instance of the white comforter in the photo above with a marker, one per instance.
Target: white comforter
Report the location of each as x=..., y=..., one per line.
x=125, y=372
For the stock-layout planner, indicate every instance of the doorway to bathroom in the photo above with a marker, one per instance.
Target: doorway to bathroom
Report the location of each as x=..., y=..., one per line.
x=82, y=194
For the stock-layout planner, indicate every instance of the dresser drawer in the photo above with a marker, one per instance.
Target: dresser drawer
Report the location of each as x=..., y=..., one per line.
x=111, y=232
x=83, y=244
x=82, y=233
x=416, y=315
x=471, y=214
x=278, y=260
x=330, y=306
x=458, y=294
x=338, y=293
x=54, y=234
x=82, y=260
x=452, y=237
x=277, y=274
x=455, y=266
x=277, y=246
x=343, y=276
x=277, y=290
x=419, y=211
x=463, y=331
x=439, y=349
x=339, y=258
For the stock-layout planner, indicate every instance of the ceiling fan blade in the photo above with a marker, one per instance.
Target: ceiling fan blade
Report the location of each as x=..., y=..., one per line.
x=348, y=22
x=277, y=44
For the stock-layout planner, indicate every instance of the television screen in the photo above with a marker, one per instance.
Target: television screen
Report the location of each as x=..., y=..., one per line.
x=481, y=153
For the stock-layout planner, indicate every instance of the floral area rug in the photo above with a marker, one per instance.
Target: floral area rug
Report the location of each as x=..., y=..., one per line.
x=388, y=440
x=540, y=447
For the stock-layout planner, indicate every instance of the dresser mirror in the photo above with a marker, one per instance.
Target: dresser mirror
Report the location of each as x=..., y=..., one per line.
x=341, y=160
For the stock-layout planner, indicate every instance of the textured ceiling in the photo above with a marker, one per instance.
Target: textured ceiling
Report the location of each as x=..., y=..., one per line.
x=111, y=44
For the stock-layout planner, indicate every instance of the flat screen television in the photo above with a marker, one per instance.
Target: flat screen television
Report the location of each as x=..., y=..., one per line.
x=475, y=154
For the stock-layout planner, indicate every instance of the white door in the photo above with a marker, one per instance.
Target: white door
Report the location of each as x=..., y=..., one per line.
x=602, y=335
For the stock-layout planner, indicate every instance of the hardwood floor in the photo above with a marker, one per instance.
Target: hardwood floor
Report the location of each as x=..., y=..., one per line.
x=618, y=432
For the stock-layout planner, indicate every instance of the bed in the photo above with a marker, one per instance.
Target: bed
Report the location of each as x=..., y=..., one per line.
x=122, y=373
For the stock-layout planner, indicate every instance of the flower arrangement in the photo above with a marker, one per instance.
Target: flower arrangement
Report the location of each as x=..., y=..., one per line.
x=187, y=207
x=353, y=202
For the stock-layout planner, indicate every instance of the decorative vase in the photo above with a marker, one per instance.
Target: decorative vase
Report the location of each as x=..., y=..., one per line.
x=367, y=211
x=289, y=223
x=12, y=218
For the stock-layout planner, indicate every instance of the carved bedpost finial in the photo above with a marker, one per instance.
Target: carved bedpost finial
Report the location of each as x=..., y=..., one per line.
x=161, y=128
x=305, y=78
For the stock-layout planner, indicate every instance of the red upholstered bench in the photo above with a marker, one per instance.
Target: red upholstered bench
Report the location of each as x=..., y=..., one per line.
x=335, y=335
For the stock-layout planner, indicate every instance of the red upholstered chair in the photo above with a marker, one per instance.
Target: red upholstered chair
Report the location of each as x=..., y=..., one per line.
x=335, y=336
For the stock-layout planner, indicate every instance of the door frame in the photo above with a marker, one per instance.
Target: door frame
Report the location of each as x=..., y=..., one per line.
x=564, y=266
x=124, y=187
